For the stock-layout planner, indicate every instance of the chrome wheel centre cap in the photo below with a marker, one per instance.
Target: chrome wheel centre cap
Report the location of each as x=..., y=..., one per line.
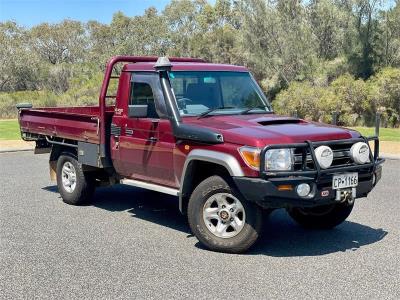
x=224, y=214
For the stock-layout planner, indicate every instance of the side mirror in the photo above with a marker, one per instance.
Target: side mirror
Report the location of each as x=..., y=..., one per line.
x=137, y=111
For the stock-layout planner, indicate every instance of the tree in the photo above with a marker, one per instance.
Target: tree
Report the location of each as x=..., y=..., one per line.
x=63, y=42
x=218, y=31
x=181, y=19
x=271, y=32
x=18, y=67
x=363, y=54
x=102, y=41
x=139, y=35
x=330, y=26
x=314, y=56
x=389, y=37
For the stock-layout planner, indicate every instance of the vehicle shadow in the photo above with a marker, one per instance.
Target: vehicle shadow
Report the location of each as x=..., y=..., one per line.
x=147, y=205
x=140, y=203
x=281, y=237
x=51, y=188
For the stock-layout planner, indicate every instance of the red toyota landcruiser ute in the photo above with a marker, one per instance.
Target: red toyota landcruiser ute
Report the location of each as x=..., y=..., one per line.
x=206, y=134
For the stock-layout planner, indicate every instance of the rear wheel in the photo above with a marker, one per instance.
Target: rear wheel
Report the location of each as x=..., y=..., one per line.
x=75, y=186
x=221, y=219
x=321, y=217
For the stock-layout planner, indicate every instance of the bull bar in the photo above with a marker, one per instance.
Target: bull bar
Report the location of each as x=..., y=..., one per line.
x=316, y=173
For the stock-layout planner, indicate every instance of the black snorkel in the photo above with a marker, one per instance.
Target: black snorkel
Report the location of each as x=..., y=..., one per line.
x=181, y=130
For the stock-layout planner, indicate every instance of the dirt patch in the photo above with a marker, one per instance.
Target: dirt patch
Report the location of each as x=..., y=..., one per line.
x=387, y=147
x=14, y=145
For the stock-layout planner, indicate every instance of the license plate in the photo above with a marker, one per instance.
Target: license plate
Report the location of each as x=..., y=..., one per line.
x=342, y=181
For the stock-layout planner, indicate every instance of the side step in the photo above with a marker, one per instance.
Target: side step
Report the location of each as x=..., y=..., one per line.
x=150, y=186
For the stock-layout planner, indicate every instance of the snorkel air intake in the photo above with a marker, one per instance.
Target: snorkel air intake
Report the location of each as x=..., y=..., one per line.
x=181, y=130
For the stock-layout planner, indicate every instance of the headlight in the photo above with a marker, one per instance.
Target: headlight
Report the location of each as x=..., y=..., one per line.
x=324, y=155
x=359, y=153
x=279, y=160
x=251, y=156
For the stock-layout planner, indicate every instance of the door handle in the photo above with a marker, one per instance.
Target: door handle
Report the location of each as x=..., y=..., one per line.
x=152, y=139
x=128, y=131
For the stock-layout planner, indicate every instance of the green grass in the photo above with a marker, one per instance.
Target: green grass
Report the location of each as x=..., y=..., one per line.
x=9, y=130
x=385, y=134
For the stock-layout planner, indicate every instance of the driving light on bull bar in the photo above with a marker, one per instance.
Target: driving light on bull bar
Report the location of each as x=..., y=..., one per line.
x=359, y=153
x=324, y=155
x=279, y=159
x=303, y=189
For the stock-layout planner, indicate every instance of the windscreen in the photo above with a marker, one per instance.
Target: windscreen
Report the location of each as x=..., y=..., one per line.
x=222, y=92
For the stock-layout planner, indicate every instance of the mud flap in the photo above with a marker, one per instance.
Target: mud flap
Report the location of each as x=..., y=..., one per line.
x=53, y=170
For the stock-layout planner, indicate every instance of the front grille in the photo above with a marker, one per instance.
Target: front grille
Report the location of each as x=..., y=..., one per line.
x=341, y=157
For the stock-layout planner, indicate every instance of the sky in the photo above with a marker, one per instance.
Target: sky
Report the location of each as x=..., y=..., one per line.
x=33, y=12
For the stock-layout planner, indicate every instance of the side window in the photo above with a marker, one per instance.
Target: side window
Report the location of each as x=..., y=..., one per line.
x=142, y=94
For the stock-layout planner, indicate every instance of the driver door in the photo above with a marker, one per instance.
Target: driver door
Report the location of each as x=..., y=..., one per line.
x=146, y=143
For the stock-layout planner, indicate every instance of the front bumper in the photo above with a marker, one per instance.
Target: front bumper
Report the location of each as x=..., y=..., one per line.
x=267, y=191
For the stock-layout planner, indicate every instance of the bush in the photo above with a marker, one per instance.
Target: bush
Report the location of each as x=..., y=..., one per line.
x=305, y=100
x=384, y=95
x=37, y=98
x=83, y=89
x=350, y=99
x=355, y=100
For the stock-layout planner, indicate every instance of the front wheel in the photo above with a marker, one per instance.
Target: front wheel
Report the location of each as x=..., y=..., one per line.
x=75, y=186
x=321, y=217
x=221, y=219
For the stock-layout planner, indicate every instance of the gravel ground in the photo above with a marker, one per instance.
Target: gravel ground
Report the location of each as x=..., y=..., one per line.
x=133, y=243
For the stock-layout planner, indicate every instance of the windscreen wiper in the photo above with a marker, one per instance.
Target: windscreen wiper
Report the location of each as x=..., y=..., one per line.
x=208, y=111
x=247, y=110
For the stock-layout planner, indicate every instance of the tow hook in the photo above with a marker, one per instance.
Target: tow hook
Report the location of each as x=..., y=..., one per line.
x=348, y=195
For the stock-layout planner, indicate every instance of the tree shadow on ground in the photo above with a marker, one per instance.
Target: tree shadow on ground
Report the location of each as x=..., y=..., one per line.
x=281, y=236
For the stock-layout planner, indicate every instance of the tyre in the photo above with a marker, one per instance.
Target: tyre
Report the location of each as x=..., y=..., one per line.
x=221, y=219
x=75, y=187
x=321, y=217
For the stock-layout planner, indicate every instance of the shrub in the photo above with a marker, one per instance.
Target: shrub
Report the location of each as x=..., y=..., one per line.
x=384, y=95
x=355, y=100
x=305, y=100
